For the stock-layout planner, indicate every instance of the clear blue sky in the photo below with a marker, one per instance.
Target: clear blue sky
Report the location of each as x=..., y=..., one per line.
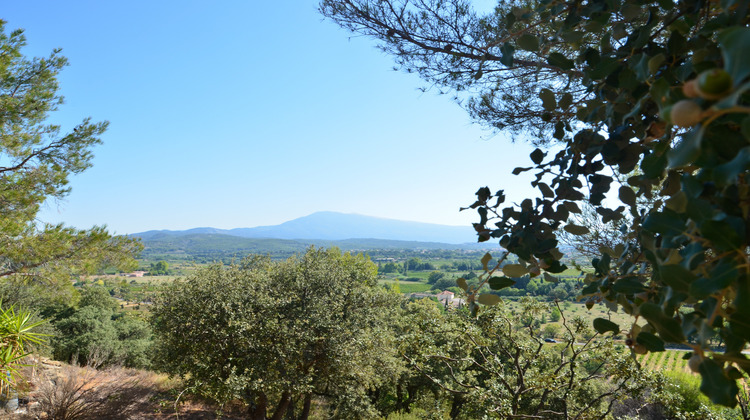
x=243, y=113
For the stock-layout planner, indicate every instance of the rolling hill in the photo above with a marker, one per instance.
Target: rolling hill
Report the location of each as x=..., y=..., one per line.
x=350, y=232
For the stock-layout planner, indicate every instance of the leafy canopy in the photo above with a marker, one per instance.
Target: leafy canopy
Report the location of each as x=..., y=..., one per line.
x=493, y=367
x=649, y=101
x=280, y=333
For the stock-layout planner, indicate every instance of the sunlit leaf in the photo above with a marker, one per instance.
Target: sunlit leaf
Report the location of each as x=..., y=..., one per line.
x=485, y=260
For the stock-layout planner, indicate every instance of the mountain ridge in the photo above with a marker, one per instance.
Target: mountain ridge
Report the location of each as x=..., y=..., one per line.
x=334, y=226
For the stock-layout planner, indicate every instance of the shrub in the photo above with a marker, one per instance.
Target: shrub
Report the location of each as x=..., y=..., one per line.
x=86, y=393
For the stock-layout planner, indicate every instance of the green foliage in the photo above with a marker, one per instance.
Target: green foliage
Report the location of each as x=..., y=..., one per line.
x=280, y=333
x=17, y=336
x=490, y=367
x=555, y=315
x=417, y=264
x=160, y=268
x=435, y=276
x=444, y=283
x=86, y=335
x=50, y=303
x=98, y=297
x=677, y=395
x=37, y=160
x=389, y=267
x=97, y=334
x=622, y=87
x=551, y=330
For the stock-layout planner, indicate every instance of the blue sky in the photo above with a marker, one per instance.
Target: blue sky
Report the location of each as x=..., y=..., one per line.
x=239, y=114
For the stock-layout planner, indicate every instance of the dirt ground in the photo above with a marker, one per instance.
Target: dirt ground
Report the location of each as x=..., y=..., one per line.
x=56, y=390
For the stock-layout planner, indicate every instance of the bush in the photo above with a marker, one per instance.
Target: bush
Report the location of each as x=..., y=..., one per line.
x=273, y=333
x=555, y=315
x=434, y=277
x=86, y=393
x=444, y=283
x=98, y=328
x=551, y=331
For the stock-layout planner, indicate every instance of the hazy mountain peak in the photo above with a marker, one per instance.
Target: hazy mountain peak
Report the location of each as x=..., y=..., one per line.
x=329, y=225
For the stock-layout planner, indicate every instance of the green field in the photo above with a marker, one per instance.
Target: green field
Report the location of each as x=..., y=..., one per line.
x=670, y=360
x=407, y=286
x=413, y=287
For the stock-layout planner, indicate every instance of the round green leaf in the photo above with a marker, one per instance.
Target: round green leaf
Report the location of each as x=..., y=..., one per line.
x=576, y=230
x=497, y=283
x=528, y=42
x=548, y=99
x=489, y=299
x=514, y=270
x=627, y=195
x=650, y=341
x=602, y=325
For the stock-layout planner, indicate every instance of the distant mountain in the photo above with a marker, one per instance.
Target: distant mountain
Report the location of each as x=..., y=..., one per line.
x=156, y=234
x=332, y=226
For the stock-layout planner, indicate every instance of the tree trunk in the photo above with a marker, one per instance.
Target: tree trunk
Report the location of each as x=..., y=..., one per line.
x=399, y=396
x=458, y=402
x=411, y=392
x=257, y=408
x=306, y=407
x=281, y=408
x=374, y=396
x=290, y=411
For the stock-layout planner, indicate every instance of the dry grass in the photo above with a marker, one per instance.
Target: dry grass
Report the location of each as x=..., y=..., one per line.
x=58, y=391
x=86, y=393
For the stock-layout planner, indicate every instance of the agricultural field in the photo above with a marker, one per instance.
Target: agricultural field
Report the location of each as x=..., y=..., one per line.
x=406, y=287
x=670, y=360
x=407, y=271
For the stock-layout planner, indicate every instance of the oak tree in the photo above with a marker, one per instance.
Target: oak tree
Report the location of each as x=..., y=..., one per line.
x=277, y=335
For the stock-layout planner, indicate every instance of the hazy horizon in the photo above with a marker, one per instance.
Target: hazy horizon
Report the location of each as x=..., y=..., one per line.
x=301, y=217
